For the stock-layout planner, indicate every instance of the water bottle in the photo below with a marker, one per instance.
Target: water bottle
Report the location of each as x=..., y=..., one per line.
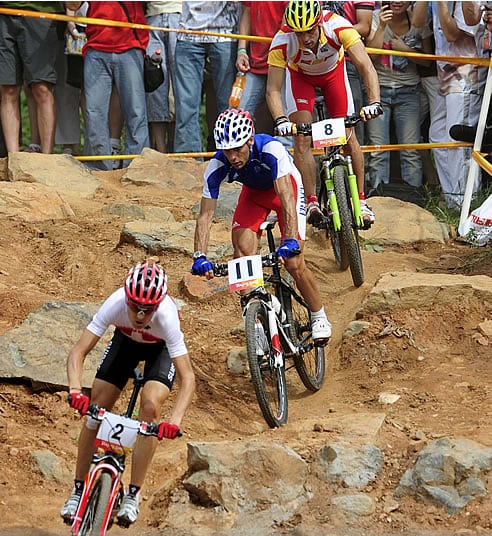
x=156, y=57
x=237, y=90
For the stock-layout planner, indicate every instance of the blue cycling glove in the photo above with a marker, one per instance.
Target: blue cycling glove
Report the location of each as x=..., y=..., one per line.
x=201, y=265
x=289, y=248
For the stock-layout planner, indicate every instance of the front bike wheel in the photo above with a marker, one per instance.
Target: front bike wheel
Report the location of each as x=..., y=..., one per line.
x=337, y=244
x=268, y=380
x=309, y=360
x=94, y=515
x=350, y=232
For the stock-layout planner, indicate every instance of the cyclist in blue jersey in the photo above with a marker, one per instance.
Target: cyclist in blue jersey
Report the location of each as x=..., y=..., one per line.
x=270, y=182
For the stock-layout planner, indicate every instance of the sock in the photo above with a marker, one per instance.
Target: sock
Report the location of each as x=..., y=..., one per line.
x=133, y=490
x=312, y=199
x=115, y=143
x=318, y=314
x=362, y=196
x=78, y=486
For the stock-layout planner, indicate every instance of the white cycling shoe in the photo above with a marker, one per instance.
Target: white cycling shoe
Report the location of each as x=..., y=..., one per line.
x=367, y=214
x=128, y=511
x=70, y=507
x=321, y=329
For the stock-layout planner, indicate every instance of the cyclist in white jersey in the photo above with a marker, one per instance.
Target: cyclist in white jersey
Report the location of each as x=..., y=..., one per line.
x=147, y=328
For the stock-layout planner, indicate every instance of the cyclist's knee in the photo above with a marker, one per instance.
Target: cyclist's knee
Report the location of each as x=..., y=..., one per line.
x=149, y=410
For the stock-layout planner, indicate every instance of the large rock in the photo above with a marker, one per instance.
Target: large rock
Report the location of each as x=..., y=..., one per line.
x=405, y=290
x=32, y=202
x=71, y=179
x=37, y=350
x=246, y=476
x=448, y=472
x=398, y=222
x=157, y=169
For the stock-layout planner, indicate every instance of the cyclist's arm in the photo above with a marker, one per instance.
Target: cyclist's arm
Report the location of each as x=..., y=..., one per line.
x=275, y=80
x=283, y=187
x=204, y=223
x=364, y=65
x=76, y=358
x=184, y=397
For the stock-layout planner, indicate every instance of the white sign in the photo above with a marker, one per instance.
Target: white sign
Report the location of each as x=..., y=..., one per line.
x=117, y=433
x=329, y=132
x=245, y=273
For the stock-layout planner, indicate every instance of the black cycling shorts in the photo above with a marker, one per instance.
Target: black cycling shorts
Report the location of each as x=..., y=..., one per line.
x=123, y=354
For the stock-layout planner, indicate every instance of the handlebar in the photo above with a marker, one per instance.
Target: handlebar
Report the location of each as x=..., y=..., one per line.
x=144, y=428
x=305, y=129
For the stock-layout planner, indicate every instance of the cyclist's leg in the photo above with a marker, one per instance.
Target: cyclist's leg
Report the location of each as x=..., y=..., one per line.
x=300, y=93
x=252, y=209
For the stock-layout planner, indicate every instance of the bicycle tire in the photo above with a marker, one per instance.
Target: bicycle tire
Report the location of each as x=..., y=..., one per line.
x=309, y=361
x=95, y=511
x=268, y=381
x=349, y=233
x=337, y=244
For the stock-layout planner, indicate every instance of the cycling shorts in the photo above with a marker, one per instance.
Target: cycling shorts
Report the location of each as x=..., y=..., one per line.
x=300, y=91
x=123, y=354
x=254, y=206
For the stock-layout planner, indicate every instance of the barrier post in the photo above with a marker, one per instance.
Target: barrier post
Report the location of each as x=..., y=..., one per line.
x=474, y=166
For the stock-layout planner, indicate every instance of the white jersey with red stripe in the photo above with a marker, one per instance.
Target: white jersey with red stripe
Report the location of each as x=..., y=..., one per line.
x=164, y=325
x=337, y=34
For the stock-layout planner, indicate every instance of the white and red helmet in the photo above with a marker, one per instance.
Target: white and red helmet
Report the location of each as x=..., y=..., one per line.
x=146, y=285
x=233, y=128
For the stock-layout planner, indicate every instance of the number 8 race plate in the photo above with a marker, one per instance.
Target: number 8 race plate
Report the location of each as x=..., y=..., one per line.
x=329, y=132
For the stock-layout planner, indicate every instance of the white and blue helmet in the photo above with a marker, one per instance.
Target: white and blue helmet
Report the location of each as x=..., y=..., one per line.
x=233, y=128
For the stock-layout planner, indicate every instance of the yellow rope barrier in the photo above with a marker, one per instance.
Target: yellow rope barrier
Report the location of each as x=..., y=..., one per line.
x=121, y=24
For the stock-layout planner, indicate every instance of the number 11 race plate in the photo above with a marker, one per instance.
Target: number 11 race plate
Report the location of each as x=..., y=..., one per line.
x=245, y=273
x=329, y=132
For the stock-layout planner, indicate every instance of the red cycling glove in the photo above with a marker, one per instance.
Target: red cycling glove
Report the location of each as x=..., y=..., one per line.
x=167, y=430
x=79, y=401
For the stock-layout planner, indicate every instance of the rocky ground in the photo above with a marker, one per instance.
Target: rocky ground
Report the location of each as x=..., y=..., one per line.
x=434, y=358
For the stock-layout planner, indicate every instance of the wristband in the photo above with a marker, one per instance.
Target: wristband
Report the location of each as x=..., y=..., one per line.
x=242, y=51
x=281, y=119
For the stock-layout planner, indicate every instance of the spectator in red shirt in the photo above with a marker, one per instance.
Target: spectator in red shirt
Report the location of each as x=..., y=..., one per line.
x=114, y=55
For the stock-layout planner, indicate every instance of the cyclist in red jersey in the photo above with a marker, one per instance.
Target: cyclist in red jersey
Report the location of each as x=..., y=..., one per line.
x=308, y=52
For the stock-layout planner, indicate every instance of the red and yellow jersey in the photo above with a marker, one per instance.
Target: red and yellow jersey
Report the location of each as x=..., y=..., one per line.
x=337, y=35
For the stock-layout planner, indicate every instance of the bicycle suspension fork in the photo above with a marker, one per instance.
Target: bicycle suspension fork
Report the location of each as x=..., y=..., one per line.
x=354, y=192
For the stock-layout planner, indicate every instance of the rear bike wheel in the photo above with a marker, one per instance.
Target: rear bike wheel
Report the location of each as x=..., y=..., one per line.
x=350, y=232
x=95, y=511
x=309, y=360
x=268, y=380
x=337, y=244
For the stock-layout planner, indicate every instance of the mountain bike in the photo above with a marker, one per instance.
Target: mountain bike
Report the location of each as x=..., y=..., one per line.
x=103, y=486
x=338, y=194
x=277, y=327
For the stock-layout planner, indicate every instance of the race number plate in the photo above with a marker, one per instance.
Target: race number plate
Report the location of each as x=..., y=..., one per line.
x=245, y=273
x=117, y=433
x=329, y=132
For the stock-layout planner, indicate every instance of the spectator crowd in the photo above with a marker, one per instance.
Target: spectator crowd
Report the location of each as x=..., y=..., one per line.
x=90, y=78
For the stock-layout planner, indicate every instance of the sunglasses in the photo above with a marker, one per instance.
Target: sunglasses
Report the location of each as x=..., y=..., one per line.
x=141, y=310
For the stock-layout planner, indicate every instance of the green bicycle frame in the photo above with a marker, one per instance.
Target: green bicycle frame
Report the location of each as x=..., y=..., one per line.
x=332, y=199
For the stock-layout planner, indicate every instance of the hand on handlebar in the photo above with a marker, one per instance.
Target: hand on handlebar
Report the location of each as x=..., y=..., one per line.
x=201, y=266
x=167, y=430
x=289, y=248
x=79, y=401
x=371, y=111
x=283, y=127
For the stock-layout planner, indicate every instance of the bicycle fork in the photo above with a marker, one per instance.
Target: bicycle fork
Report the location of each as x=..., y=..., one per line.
x=88, y=487
x=354, y=193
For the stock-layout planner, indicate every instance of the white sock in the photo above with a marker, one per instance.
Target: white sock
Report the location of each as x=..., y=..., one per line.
x=318, y=314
